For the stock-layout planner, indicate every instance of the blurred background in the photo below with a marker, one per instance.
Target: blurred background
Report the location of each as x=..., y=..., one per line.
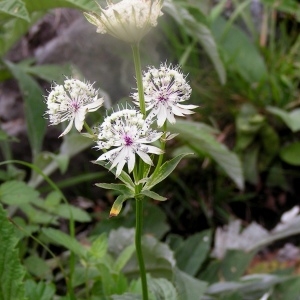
x=242, y=58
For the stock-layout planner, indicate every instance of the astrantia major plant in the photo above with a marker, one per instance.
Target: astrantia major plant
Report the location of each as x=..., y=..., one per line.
x=126, y=136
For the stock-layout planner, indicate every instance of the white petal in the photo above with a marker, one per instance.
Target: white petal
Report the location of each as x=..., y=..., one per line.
x=106, y=155
x=187, y=106
x=131, y=161
x=79, y=118
x=170, y=117
x=95, y=105
x=120, y=167
x=145, y=157
x=161, y=116
x=177, y=111
x=154, y=138
x=120, y=157
x=68, y=128
x=155, y=150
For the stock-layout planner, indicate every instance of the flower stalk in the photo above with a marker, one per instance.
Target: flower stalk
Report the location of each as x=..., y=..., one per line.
x=139, y=80
x=138, y=246
x=139, y=201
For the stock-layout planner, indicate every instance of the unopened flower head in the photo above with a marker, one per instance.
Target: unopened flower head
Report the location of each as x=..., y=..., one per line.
x=70, y=102
x=130, y=134
x=165, y=89
x=128, y=20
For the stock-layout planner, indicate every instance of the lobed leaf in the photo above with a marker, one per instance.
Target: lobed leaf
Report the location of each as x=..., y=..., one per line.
x=164, y=171
x=17, y=193
x=11, y=271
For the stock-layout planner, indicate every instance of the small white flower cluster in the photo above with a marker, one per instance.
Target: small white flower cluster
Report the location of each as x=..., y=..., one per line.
x=165, y=89
x=128, y=20
x=130, y=134
x=71, y=102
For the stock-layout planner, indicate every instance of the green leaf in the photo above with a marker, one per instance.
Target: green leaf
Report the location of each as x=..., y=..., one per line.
x=161, y=288
x=126, y=296
x=291, y=154
x=99, y=247
x=191, y=261
x=14, y=8
x=164, y=171
x=158, y=258
x=199, y=31
x=153, y=195
x=124, y=177
x=37, y=267
x=123, y=258
x=291, y=119
x=202, y=141
x=235, y=263
x=188, y=287
x=17, y=192
x=40, y=290
x=288, y=290
x=34, y=107
x=37, y=5
x=78, y=214
x=122, y=188
x=118, y=204
x=239, y=52
x=60, y=238
x=11, y=271
x=49, y=72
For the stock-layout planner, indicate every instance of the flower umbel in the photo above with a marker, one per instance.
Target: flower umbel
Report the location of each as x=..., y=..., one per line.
x=165, y=89
x=128, y=20
x=130, y=134
x=70, y=102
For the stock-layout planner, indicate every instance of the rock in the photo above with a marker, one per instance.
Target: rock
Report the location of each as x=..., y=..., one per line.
x=101, y=58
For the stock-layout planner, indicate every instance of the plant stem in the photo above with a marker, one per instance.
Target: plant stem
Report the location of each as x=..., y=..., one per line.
x=138, y=74
x=139, y=175
x=138, y=246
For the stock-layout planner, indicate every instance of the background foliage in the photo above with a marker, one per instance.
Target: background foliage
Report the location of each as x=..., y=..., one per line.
x=243, y=64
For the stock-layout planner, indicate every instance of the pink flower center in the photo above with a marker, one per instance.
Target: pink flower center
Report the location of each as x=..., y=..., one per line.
x=162, y=98
x=75, y=105
x=128, y=140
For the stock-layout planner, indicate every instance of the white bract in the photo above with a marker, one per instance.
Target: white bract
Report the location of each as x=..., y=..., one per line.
x=128, y=20
x=165, y=89
x=130, y=134
x=70, y=102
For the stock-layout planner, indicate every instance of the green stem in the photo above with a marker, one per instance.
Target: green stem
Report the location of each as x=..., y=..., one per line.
x=162, y=147
x=138, y=246
x=139, y=80
x=88, y=128
x=138, y=174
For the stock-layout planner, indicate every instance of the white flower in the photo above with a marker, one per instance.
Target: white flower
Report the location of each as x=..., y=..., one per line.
x=130, y=134
x=128, y=20
x=165, y=89
x=70, y=102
